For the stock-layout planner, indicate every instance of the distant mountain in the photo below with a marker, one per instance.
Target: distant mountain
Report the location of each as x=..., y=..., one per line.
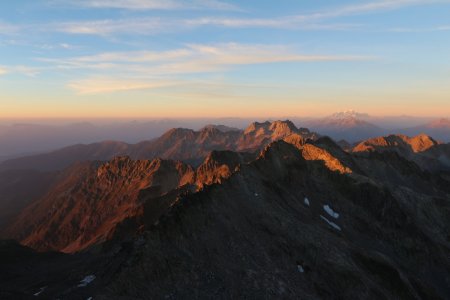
x=178, y=143
x=401, y=143
x=41, y=136
x=349, y=114
x=422, y=149
x=439, y=129
x=348, y=125
x=60, y=159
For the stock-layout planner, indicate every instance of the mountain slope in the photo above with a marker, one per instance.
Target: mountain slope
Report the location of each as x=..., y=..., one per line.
x=255, y=236
x=86, y=206
x=18, y=188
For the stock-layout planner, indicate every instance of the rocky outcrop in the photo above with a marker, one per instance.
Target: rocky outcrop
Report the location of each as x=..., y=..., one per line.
x=220, y=165
x=258, y=135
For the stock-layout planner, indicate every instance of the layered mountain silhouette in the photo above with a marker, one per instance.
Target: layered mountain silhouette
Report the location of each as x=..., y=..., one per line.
x=178, y=143
x=439, y=129
x=273, y=211
x=348, y=125
x=422, y=149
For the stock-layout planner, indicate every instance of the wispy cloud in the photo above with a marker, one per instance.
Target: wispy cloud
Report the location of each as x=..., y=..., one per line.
x=443, y=28
x=8, y=29
x=368, y=7
x=193, y=58
x=418, y=30
x=148, y=69
x=153, y=4
x=153, y=26
x=141, y=26
x=3, y=71
x=104, y=85
x=23, y=70
x=148, y=26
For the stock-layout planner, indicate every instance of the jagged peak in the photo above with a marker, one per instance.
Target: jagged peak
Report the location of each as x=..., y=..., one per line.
x=422, y=142
x=209, y=131
x=276, y=127
x=178, y=132
x=221, y=128
x=418, y=143
x=255, y=126
x=283, y=126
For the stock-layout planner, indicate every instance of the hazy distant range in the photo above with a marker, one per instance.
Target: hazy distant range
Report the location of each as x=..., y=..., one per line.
x=23, y=138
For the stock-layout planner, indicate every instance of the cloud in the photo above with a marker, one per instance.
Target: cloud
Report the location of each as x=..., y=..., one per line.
x=368, y=7
x=418, y=30
x=285, y=22
x=26, y=70
x=154, y=26
x=23, y=70
x=152, y=69
x=149, y=26
x=109, y=85
x=443, y=28
x=3, y=71
x=154, y=4
x=8, y=29
x=141, y=26
x=194, y=58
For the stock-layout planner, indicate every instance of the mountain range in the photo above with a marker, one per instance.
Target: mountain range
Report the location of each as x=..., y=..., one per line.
x=29, y=138
x=272, y=211
x=353, y=126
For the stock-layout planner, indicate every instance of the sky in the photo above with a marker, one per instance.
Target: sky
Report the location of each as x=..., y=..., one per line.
x=223, y=58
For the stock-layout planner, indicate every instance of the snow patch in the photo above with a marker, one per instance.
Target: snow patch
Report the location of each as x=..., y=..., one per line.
x=300, y=269
x=306, y=201
x=90, y=298
x=86, y=280
x=256, y=195
x=334, y=225
x=40, y=291
x=330, y=211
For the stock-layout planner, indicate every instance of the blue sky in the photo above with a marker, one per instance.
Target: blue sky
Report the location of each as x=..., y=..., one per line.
x=191, y=58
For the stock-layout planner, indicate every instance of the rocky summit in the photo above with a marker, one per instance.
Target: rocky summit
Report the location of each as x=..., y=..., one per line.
x=270, y=212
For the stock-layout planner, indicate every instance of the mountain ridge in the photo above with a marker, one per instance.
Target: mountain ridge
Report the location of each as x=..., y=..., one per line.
x=297, y=216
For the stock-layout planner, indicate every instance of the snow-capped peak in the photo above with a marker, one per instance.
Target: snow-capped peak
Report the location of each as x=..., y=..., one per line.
x=349, y=114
